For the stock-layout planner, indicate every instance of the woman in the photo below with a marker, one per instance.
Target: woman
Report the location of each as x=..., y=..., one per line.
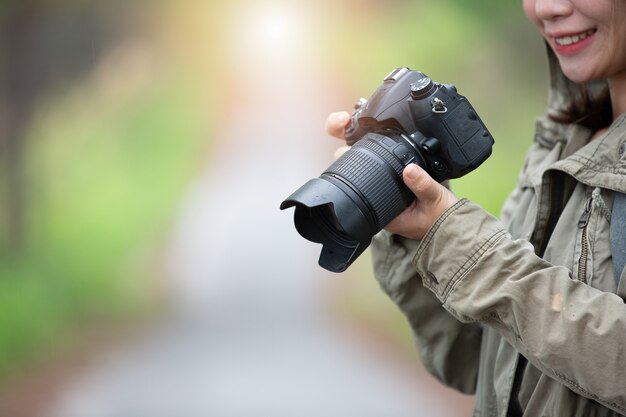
x=528, y=312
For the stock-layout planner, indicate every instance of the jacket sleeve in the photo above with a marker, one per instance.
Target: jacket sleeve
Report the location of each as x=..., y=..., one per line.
x=449, y=349
x=567, y=329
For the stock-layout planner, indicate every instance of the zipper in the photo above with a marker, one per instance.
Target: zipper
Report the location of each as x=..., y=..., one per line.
x=583, y=222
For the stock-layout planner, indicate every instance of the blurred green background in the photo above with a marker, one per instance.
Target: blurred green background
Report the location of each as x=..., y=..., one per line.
x=109, y=108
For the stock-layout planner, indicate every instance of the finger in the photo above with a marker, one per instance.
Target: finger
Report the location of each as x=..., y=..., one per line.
x=341, y=151
x=423, y=186
x=336, y=124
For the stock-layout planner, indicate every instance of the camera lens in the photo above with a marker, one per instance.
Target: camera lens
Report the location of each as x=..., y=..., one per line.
x=409, y=119
x=362, y=191
x=372, y=172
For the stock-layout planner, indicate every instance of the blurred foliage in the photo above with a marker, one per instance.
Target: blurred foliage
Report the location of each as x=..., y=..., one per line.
x=107, y=152
x=102, y=189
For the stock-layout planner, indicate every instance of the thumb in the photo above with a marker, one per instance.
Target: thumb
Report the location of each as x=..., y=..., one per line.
x=426, y=189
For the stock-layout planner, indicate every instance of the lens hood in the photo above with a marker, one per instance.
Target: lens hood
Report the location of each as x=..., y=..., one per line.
x=326, y=214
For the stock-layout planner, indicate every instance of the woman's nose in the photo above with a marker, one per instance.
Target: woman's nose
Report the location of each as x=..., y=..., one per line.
x=553, y=9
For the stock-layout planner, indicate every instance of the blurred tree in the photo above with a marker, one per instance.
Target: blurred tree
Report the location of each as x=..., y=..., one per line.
x=21, y=79
x=44, y=45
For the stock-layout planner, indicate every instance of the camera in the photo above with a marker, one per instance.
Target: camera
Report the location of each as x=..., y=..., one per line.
x=409, y=119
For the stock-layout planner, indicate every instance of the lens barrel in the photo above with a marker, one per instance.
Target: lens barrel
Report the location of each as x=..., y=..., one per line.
x=358, y=195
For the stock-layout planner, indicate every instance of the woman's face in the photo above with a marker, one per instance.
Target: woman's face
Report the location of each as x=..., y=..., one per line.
x=588, y=36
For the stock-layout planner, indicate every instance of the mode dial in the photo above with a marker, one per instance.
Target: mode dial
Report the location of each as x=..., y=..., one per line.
x=421, y=88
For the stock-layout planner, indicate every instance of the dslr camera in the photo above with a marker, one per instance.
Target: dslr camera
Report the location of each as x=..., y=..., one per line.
x=409, y=119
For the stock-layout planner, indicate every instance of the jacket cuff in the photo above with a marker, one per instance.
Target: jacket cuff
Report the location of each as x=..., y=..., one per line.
x=453, y=245
x=391, y=258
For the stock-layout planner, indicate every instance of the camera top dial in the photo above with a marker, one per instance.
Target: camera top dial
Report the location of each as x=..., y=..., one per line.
x=422, y=88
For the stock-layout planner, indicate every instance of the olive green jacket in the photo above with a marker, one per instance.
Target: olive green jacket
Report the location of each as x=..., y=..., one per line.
x=525, y=311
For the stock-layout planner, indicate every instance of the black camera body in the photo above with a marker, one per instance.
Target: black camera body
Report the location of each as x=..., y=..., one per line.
x=439, y=124
x=409, y=119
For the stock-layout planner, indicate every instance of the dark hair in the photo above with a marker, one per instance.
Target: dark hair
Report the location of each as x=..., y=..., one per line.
x=593, y=111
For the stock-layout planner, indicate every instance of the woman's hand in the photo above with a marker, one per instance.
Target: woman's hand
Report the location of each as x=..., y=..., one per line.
x=431, y=198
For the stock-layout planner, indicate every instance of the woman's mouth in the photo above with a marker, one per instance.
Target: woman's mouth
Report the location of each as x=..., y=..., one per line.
x=570, y=44
x=571, y=39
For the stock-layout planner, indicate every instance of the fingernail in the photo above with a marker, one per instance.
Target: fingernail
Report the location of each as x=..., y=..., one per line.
x=411, y=171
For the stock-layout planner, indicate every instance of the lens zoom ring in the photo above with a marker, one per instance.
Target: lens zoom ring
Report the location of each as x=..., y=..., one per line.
x=373, y=181
x=383, y=153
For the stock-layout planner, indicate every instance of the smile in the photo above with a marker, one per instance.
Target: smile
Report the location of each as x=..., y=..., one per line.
x=572, y=39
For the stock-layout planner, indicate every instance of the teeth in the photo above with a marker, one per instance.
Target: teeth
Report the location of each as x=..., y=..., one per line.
x=568, y=40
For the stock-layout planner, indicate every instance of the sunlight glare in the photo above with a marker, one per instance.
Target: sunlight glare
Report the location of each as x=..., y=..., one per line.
x=275, y=26
x=270, y=32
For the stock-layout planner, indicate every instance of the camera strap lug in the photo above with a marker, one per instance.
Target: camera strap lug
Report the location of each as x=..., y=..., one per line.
x=438, y=106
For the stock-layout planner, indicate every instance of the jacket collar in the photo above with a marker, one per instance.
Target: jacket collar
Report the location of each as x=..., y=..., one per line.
x=601, y=162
